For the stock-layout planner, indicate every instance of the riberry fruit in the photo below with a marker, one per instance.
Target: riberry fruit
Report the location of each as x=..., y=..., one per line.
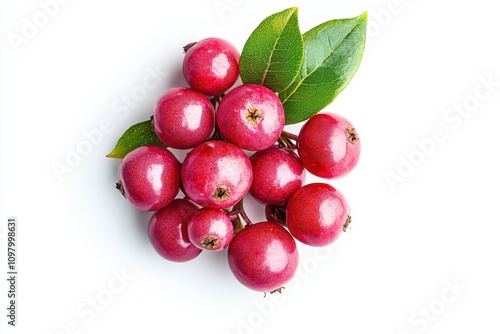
x=183, y=118
x=316, y=214
x=210, y=229
x=168, y=234
x=149, y=177
x=211, y=65
x=216, y=174
x=263, y=256
x=277, y=174
x=328, y=145
x=251, y=117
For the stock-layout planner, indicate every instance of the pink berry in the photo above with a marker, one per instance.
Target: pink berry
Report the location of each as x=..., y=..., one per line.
x=183, y=118
x=316, y=214
x=211, y=65
x=210, y=229
x=216, y=174
x=168, y=234
x=263, y=256
x=277, y=174
x=149, y=177
x=328, y=146
x=251, y=117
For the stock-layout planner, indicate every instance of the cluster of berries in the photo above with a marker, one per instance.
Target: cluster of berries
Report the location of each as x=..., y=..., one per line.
x=220, y=129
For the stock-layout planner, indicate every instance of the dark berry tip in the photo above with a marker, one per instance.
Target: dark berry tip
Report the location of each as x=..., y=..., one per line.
x=210, y=243
x=119, y=186
x=347, y=223
x=353, y=136
x=221, y=193
x=189, y=46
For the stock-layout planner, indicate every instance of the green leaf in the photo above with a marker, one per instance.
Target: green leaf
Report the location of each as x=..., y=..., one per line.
x=137, y=135
x=332, y=54
x=273, y=53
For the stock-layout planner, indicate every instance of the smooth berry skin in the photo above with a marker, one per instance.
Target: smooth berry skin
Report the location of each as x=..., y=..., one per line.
x=168, y=234
x=216, y=174
x=263, y=256
x=277, y=174
x=251, y=116
x=183, y=118
x=210, y=229
x=328, y=146
x=316, y=214
x=149, y=177
x=211, y=66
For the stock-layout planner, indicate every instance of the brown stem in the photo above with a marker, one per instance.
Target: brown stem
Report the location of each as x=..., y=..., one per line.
x=239, y=211
x=289, y=135
x=347, y=223
x=288, y=140
x=119, y=186
x=187, y=47
x=216, y=100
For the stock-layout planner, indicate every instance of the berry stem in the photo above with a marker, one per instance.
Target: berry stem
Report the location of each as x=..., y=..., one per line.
x=119, y=186
x=216, y=100
x=347, y=223
x=278, y=213
x=288, y=140
x=217, y=135
x=239, y=211
x=289, y=135
x=187, y=47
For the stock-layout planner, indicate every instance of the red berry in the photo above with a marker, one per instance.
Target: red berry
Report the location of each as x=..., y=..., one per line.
x=183, y=118
x=210, y=229
x=167, y=231
x=251, y=117
x=316, y=214
x=216, y=174
x=263, y=256
x=211, y=66
x=149, y=177
x=328, y=146
x=277, y=174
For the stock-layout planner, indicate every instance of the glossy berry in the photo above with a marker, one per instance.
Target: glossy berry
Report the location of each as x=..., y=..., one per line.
x=328, y=146
x=263, y=256
x=183, y=118
x=211, y=65
x=277, y=174
x=210, y=229
x=316, y=214
x=149, y=177
x=167, y=231
x=251, y=117
x=216, y=174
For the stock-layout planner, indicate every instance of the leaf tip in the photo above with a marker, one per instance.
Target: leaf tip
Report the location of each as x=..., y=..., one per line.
x=112, y=155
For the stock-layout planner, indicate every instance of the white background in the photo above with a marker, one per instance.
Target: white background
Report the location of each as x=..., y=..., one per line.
x=437, y=227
